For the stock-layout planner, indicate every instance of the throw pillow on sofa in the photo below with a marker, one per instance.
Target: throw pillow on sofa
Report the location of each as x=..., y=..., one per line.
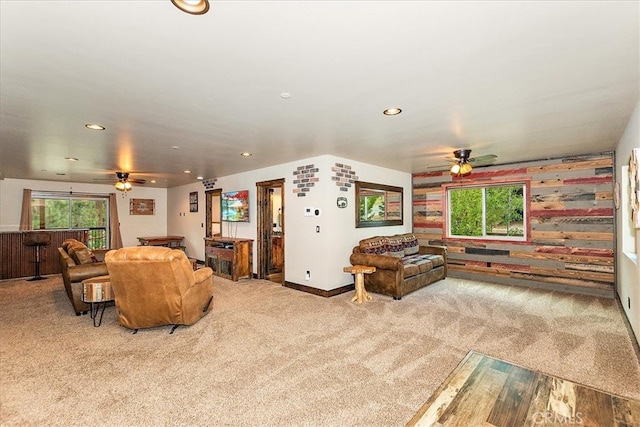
x=395, y=246
x=84, y=256
x=79, y=253
x=410, y=244
x=374, y=245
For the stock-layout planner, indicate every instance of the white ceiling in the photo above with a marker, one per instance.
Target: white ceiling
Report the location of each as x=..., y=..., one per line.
x=522, y=80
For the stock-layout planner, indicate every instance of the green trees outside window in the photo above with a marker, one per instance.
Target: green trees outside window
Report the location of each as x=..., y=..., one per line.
x=64, y=211
x=496, y=211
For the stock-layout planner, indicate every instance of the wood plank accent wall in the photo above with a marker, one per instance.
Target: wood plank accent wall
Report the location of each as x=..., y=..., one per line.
x=572, y=233
x=18, y=260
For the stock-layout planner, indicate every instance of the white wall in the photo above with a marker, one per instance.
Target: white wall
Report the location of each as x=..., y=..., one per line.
x=628, y=270
x=324, y=254
x=131, y=226
x=181, y=222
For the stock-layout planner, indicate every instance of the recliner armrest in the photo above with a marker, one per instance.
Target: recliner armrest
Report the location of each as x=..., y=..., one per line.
x=203, y=274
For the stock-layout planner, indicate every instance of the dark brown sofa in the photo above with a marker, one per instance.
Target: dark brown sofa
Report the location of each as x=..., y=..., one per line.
x=79, y=263
x=402, y=265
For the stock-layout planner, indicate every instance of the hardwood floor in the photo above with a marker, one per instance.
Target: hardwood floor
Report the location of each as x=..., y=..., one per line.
x=483, y=391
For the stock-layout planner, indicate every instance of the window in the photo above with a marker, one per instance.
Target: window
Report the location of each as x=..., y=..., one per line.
x=495, y=212
x=51, y=210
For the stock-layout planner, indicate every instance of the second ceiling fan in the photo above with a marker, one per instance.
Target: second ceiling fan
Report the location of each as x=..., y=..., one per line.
x=463, y=161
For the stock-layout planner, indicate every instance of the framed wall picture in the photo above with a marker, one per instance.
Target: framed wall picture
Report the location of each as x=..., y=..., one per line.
x=142, y=207
x=193, y=202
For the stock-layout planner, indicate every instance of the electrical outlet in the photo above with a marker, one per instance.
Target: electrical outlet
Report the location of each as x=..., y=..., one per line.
x=307, y=276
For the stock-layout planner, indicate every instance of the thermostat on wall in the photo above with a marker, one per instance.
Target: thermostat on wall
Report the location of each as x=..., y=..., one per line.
x=308, y=211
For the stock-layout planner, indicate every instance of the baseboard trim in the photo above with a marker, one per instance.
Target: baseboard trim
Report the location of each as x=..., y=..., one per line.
x=632, y=335
x=319, y=292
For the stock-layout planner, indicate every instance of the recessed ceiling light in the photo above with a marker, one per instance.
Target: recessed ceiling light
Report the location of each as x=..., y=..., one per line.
x=194, y=7
x=392, y=111
x=285, y=95
x=187, y=171
x=246, y=154
x=71, y=159
x=153, y=181
x=175, y=147
x=199, y=177
x=94, y=126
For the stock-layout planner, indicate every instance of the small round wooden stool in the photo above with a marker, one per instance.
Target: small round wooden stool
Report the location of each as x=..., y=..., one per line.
x=359, y=271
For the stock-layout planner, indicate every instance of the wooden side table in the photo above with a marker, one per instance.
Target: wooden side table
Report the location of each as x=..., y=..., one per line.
x=359, y=271
x=96, y=291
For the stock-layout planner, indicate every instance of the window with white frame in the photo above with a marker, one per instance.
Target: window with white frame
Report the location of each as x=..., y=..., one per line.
x=493, y=212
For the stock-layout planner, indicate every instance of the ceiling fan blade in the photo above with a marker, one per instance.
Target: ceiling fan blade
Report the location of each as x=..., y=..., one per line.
x=486, y=160
x=483, y=158
x=437, y=168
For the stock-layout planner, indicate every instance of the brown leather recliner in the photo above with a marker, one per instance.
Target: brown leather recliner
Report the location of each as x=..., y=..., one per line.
x=156, y=286
x=79, y=263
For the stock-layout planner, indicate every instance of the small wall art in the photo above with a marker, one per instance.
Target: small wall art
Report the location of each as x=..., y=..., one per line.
x=193, y=202
x=142, y=207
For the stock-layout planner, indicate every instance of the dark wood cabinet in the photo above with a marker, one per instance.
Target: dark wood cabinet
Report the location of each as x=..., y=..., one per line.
x=228, y=257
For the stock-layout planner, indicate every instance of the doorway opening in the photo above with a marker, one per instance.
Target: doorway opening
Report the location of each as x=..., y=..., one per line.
x=213, y=213
x=270, y=250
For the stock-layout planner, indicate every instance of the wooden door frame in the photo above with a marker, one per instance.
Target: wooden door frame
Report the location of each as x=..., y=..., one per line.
x=265, y=224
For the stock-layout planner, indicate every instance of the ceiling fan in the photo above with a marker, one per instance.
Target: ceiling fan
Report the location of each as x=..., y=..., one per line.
x=124, y=182
x=463, y=162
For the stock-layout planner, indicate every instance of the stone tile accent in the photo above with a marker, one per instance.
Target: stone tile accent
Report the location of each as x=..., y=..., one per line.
x=305, y=179
x=344, y=176
x=209, y=183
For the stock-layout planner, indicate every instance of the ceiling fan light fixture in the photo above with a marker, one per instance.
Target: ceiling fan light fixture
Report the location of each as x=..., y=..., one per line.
x=194, y=7
x=462, y=168
x=123, y=186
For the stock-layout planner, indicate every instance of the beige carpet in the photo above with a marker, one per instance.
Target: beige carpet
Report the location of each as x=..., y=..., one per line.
x=271, y=356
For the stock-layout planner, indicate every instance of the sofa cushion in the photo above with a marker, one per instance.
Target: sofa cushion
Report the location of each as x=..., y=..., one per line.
x=68, y=242
x=374, y=245
x=437, y=260
x=395, y=246
x=411, y=270
x=79, y=252
x=416, y=264
x=410, y=244
x=84, y=256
